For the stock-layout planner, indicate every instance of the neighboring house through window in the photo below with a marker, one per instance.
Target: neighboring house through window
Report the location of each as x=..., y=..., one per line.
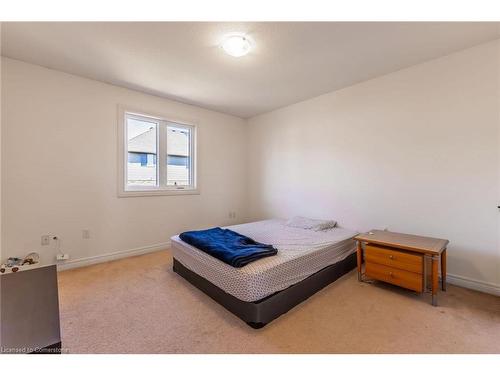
x=142, y=147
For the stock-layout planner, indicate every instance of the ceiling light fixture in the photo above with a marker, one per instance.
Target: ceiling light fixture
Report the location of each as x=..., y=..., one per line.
x=236, y=45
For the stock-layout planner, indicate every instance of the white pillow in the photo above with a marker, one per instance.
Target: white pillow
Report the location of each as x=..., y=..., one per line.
x=312, y=224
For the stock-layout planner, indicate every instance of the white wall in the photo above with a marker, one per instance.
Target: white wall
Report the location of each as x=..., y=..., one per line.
x=60, y=167
x=416, y=151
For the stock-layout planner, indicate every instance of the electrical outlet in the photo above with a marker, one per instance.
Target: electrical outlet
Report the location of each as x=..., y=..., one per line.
x=85, y=234
x=62, y=256
x=45, y=240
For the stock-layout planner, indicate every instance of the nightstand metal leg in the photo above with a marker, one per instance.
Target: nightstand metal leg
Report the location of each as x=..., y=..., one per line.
x=359, y=259
x=443, y=270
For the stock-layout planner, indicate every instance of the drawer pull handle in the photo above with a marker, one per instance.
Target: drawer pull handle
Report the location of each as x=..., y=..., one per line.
x=391, y=256
x=390, y=274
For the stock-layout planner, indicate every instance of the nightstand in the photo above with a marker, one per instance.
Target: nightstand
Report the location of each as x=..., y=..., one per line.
x=401, y=259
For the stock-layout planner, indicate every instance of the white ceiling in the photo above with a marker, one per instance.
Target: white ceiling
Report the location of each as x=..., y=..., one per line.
x=290, y=61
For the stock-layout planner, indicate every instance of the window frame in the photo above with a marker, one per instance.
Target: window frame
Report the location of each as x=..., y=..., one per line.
x=162, y=121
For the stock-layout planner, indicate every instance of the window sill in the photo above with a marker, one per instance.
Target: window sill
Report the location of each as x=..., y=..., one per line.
x=152, y=193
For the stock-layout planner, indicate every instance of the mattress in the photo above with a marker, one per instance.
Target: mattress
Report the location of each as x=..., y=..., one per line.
x=301, y=253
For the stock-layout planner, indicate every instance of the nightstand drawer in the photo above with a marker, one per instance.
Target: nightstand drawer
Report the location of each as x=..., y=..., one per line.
x=395, y=276
x=394, y=258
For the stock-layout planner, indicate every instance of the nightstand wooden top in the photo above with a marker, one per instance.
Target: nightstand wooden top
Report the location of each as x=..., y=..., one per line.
x=427, y=245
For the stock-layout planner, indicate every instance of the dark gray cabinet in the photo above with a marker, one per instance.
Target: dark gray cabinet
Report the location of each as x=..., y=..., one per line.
x=29, y=311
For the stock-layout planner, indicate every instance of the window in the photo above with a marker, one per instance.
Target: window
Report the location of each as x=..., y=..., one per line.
x=157, y=156
x=178, y=159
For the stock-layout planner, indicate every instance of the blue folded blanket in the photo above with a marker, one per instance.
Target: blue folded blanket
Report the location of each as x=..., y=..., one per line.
x=228, y=246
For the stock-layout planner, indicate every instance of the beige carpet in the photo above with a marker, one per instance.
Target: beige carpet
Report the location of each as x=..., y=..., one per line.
x=138, y=305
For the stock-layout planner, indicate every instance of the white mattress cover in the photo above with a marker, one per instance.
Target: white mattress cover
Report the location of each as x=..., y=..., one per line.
x=301, y=253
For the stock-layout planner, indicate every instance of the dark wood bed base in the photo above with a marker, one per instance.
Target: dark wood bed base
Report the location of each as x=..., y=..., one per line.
x=258, y=314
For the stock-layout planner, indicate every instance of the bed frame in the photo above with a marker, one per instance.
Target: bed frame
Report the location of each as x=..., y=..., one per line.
x=257, y=314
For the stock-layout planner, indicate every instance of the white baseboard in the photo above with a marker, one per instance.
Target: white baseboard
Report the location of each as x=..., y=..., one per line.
x=82, y=262
x=466, y=282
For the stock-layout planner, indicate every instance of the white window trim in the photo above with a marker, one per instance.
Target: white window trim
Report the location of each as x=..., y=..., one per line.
x=144, y=191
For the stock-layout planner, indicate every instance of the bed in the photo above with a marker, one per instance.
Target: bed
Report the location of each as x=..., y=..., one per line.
x=261, y=291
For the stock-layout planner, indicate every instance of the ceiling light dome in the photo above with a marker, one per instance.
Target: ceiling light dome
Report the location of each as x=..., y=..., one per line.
x=236, y=45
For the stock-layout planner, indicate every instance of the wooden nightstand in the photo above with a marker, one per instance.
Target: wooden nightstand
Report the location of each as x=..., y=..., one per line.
x=401, y=259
